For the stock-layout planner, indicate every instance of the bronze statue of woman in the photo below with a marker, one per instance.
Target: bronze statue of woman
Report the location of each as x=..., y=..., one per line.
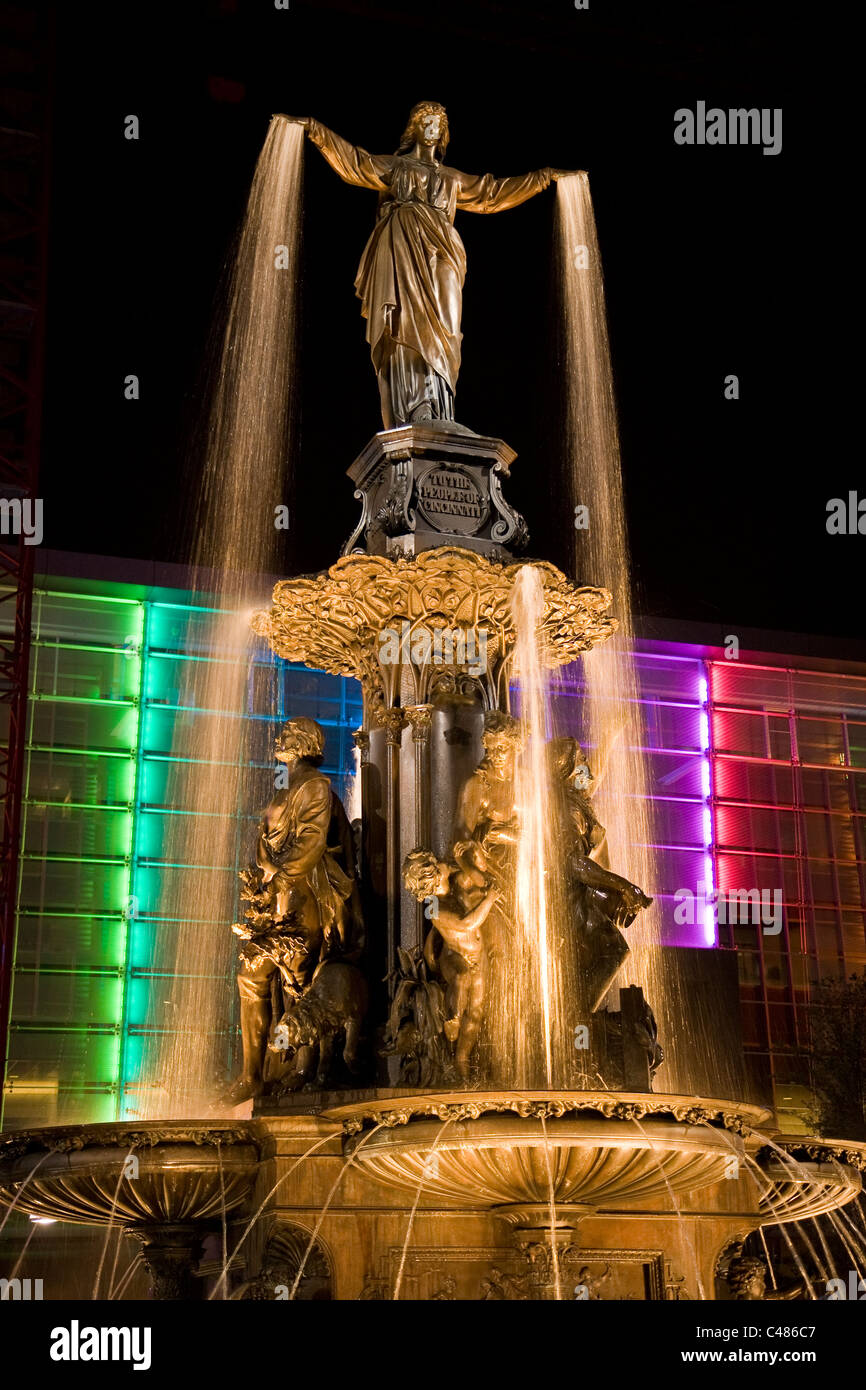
x=410, y=280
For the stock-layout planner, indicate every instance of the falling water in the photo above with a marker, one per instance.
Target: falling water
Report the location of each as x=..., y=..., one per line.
x=220, y=1283
x=427, y=1169
x=551, y=1204
x=540, y=971
x=110, y=1227
x=766, y=1196
x=236, y=543
x=347, y=1164
x=22, y=1189
x=767, y=1255
x=613, y=722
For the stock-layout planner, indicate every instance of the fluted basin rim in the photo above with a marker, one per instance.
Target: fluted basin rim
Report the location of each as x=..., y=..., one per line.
x=187, y=1171
x=128, y=1134
x=618, y=1105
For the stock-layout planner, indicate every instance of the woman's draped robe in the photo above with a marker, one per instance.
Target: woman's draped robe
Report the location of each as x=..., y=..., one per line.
x=410, y=280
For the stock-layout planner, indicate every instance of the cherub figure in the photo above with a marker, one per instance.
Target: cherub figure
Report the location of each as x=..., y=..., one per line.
x=454, y=948
x=589, y=1284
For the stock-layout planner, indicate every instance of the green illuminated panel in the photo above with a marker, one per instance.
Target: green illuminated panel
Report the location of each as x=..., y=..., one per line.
x=104, y=783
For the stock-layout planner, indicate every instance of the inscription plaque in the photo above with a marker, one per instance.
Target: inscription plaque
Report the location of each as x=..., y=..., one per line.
x=450, y=500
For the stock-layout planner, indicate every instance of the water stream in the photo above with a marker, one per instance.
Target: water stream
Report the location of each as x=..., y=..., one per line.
x=267, y=1197
x=613, y=723
x=110, y=1226
x=426, y=1170
x=347, y=1164
x=554, y=1251
x=684, y=1229
x=235, y=542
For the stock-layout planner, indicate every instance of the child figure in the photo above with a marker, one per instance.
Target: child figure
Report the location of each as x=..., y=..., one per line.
x=454, y=948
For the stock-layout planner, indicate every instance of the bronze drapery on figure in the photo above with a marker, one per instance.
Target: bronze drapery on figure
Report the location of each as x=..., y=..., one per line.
x=410, y=280
x=299, y=984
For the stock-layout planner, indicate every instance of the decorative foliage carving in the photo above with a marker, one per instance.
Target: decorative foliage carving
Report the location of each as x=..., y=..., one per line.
x=77, y=1137
x=332, y=620
x=611, y=1108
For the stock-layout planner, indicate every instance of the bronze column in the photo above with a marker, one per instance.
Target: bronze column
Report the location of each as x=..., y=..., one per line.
x=394, y=722
x=421, y=719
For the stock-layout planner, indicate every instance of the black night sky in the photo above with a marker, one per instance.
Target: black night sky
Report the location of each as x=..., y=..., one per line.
x=726, y=500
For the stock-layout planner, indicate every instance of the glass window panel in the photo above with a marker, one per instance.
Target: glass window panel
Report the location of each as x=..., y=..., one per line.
x=747, y=827
x=79, y=777
x=741, y=732
x=821, y=741
x=749, y=964
x=675, y=774
x=779, y=733
x=82, y=674
x=66, y=999
x=782, y=1032
x=96, y=621
x=754, y=1024
x=86, y=941
x=736, y=684
x=742, y=871
x=42, y=1058
x=32, y=1108
x=825, y=690
x=679, y=822
x=763, y=782
x=668, y=677
x=56, y=830
x=825, y=787
x=853, y=935
x=74, y=886
x=112, y=727
x=672, y=726
x=857, y=743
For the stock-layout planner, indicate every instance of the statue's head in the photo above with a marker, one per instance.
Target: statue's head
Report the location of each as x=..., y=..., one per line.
x=501, y=739
x=424, y=875
x=567, y=761
x=747, y=1277
x=300, y=738
x=428, y=125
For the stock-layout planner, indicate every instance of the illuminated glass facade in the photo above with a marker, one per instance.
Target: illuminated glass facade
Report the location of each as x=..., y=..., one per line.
x=106, y=672
x=757, y=772
x=758, y=779
x=789, y=760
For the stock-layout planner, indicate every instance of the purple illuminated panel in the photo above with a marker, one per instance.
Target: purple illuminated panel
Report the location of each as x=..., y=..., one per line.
x=677, y=750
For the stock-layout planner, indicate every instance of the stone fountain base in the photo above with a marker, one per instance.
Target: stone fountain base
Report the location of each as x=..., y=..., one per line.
x=440, y=1195
x=648, y=1191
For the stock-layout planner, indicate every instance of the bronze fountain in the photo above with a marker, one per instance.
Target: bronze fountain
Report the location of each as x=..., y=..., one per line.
x=380, y=1073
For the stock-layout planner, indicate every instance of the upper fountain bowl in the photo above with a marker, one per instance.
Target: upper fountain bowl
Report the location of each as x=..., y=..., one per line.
x=587, y=1151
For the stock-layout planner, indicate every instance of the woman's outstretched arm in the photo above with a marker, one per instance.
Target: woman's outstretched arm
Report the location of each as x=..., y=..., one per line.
x=484, y=193
x=354, y=165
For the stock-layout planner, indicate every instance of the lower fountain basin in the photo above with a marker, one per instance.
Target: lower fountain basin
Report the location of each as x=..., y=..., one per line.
x=154, y=1173
x=815, y=1176
x=589, y=1151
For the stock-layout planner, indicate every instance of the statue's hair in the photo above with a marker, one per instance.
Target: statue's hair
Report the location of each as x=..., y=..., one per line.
x=566, y=756
x=498, y=725
x=424, y=108
x=421, y=873
x=742, y=1270
x=307, y=735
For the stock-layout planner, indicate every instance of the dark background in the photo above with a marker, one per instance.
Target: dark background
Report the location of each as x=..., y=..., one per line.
x=706, y=255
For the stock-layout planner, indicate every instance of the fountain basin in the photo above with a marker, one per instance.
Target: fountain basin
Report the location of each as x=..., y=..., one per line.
x=163, y=1172
x=164, y=1181
x=588, y=1151
x=822, y=1174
